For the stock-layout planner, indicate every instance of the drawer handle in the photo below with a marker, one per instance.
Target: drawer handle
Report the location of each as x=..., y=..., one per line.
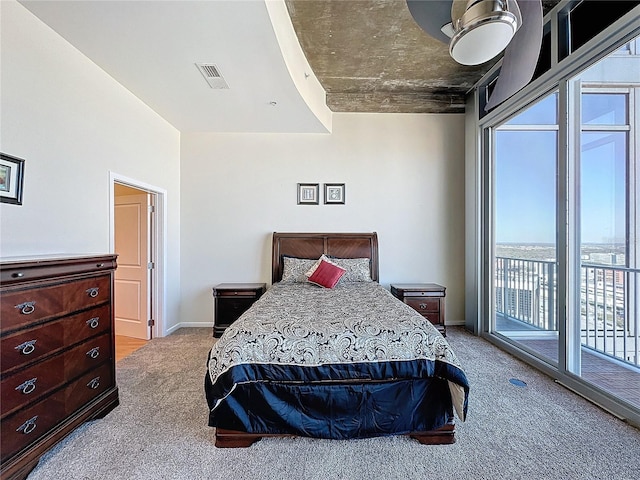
x=94, y=383
x=93, y=322
x=28, y=386
x=100, y=265
x=27, y=348
x=28, y=426
x=422, y=306
x=17, y=275
x=94, y=352
x=26, y=308
x=92, y=292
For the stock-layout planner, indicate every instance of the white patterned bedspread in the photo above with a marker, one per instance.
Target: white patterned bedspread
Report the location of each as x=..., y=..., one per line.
x=355, y=322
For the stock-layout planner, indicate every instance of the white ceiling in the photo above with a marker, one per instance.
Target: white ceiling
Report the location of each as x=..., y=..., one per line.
x=151, y=47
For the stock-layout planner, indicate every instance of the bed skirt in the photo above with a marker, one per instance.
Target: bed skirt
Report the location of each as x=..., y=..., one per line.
x=336, y=410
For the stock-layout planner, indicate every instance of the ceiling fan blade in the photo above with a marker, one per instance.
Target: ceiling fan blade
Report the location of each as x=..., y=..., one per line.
x=521, y=55
x=448, y=30
x=431, y=16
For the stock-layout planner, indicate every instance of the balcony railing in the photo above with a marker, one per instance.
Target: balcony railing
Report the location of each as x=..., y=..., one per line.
x=609, y=303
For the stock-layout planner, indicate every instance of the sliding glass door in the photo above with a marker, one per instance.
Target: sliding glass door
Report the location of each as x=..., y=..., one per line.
x=564, y=259
x=606, y=295
x=525, y=258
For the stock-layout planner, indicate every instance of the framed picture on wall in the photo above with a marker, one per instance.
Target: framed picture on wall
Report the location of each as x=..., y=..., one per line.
x=11, y=179
x=334, y=193
x=308, y=193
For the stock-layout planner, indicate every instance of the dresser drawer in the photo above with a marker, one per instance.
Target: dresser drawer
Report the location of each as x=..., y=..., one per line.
x=87, y=355
x=87, y=324
x=423, y=304
x=23, y=307
x=88, y=386
x=28, y=425
x=27, y=346
x=87, y=293
x=27, y=386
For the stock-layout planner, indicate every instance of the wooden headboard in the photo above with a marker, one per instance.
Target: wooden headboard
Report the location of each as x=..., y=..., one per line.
x=312, y=245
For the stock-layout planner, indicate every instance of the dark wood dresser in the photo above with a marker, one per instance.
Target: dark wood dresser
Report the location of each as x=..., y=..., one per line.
x=426, y=298
x=57, y=352
x=231, y=300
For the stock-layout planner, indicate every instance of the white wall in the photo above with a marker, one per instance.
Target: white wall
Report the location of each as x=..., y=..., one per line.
x=404, y=176
x=227, y=193
x=73, y=124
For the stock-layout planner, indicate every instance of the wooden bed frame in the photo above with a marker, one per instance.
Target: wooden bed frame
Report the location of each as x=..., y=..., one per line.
x=312, y=245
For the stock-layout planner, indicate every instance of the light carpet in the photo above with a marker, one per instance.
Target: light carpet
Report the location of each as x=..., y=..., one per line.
x=159, y=431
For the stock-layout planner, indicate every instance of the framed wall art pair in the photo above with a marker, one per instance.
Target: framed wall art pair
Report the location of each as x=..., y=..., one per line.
x=309, y=193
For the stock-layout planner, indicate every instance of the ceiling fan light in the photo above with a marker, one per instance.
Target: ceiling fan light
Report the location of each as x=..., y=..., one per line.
x=481, y=44
x=482, y=32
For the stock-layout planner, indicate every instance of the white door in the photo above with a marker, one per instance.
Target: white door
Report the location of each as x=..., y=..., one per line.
x=132, y=275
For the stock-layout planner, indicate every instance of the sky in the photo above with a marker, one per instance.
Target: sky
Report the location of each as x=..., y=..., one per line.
x=526, y=166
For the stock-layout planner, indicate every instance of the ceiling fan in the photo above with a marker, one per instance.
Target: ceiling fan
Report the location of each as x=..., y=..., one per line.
x=479, y=30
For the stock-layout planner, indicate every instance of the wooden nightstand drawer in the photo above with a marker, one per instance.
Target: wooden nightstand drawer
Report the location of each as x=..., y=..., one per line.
x=434, y=317
x=231, y=300
x=423, y=304
x=230, y=309
x=237, y=293
x=425, y=298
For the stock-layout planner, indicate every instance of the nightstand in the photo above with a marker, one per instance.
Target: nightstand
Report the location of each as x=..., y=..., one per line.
x=426, y=298
x=231, y=300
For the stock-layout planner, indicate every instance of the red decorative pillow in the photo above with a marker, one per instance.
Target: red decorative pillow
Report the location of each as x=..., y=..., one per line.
x=327, y=274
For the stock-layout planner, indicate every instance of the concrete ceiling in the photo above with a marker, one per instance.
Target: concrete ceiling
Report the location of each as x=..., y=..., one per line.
x=368, y=55
x=371, y=56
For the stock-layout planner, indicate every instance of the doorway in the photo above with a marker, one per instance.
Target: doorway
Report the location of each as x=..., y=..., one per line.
x=132, y=222
x=136, y=237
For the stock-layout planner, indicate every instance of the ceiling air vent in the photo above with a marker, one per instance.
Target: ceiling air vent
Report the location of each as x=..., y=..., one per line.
x=211, y=74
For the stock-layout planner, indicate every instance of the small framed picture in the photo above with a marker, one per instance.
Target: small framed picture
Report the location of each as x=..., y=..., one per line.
x=11, y=179
x=308, y=193
x=334, y=193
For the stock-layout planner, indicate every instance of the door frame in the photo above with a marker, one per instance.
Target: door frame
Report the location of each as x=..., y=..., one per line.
x=158, y=235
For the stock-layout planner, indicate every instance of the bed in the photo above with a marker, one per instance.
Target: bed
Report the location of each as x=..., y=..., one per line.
x=350, y=361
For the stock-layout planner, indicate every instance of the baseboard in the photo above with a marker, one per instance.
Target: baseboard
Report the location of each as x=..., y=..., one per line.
x=189, y=325
x=455, y=323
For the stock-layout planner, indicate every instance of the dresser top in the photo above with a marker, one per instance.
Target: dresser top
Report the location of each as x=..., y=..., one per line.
x=23, y=269
x=17, y=261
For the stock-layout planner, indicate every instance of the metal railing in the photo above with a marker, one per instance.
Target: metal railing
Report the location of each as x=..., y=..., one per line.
x=609, y=303
x=526, y=290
